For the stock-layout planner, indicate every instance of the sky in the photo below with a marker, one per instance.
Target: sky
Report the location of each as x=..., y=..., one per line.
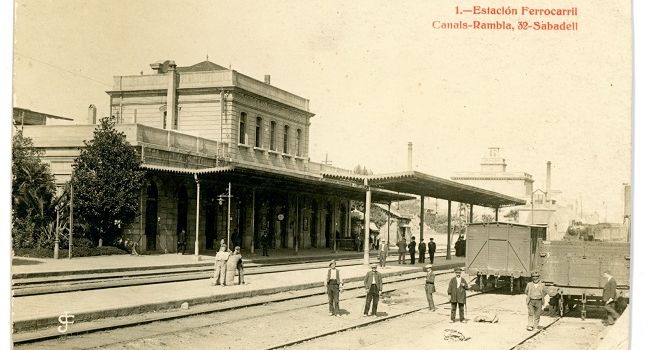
x=376, y=74
x=362, y=68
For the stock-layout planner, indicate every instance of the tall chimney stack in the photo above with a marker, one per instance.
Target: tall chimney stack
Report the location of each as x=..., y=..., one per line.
x=409, y=162
x=92, y=114
x=267, y=79
x=548, y=181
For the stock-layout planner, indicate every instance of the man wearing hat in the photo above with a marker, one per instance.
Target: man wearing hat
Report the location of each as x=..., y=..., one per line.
x=412, y=250
x=383, y=253
x=373, y=285
x=535, y=294
x=609, y=298
x=422, y=249
x=432, y=249
x=332, y=284
x=457, y=295
x=401, y=250
x=430, y=286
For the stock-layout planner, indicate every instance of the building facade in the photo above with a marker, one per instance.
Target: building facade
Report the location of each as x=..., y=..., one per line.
x=214, y=141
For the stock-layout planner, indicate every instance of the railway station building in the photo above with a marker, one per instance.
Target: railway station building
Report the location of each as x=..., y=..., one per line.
x=217, y=144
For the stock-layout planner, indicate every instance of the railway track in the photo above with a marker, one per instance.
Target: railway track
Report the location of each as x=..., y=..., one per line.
x=27, y=286
x=369, y=322
x=351, y=291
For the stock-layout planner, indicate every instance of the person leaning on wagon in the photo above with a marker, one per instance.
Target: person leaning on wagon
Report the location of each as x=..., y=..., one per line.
x=430, y=286
x=401, y=249
x=535, y=300
x=457, y=295
x=333, y=285
x=609, y=298
x=220, y=266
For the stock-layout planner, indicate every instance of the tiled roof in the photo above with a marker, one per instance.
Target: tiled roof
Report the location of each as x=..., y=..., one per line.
x=201, y=67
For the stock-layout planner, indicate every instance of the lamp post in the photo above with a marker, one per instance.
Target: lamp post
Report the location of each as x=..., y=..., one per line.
x=221, y=197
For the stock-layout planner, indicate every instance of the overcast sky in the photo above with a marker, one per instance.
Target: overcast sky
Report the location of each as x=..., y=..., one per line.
x=376, y=74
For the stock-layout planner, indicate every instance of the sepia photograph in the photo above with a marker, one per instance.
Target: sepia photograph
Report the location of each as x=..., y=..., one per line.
x=212, y=174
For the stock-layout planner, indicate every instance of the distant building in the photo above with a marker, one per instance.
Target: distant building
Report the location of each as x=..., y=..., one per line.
x=24, y=116
x=493, y=176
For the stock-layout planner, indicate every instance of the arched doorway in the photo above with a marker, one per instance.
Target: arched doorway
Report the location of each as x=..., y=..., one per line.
x=181, y=212
x=210, y=214
x=151, y=226
x=313, y=225
x=328, y=225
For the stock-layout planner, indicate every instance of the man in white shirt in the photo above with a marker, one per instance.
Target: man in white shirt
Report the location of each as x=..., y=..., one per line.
x=220, y=266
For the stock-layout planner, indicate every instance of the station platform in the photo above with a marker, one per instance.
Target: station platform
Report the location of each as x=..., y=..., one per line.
x=43, y=311
x=41, y=267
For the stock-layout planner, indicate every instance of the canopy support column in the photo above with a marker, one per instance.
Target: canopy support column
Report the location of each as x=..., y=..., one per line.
x=366, y=225
x=421, y=217
x=448, y=230
x=198, y=206
x=496, y=214
x=471, y=213
x=388, y=225
x=252, y=226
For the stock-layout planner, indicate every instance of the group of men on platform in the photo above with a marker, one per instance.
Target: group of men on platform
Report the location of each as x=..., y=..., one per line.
x=422, y=249
x=535, y=291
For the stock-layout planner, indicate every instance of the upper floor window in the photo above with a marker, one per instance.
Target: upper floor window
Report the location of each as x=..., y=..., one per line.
x=272, y=138
x=258, y=132
x=242, y=128
x=298, y=142
x=285, y=140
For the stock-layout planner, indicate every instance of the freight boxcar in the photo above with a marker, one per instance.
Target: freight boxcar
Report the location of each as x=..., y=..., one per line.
x=499, y=250
x=573, y=271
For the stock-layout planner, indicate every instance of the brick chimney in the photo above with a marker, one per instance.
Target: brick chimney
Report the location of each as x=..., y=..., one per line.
x=267, y=79
x=409, y=160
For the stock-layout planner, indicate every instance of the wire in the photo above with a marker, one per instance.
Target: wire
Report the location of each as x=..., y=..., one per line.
x=62, y=69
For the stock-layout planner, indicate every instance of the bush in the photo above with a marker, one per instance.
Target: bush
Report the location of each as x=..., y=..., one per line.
x=63, y=253
x=22, y=233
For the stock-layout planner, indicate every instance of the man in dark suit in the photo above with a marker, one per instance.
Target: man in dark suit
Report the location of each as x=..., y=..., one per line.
x=432, y=249
x=430, y=286
x=457, y=295
x=373, y=285
x=609, y=298
x=265, y=244
x=422, y=249
x=412, y=250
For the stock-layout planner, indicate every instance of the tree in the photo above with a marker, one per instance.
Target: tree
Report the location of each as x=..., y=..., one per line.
x=106, y=182
x=487, y=218
x=32, y=191
x=513, y=214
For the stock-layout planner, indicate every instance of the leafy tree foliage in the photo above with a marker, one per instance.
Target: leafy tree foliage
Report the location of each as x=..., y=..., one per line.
x=32, y=192
x=107, y=182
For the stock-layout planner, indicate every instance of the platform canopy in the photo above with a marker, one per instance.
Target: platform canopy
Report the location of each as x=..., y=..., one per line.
x=421, y=184
x=267, y=177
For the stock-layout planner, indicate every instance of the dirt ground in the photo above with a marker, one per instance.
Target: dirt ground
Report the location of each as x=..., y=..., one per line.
x=274, y=324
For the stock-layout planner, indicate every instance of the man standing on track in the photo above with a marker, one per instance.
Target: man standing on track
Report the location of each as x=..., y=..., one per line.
x=609, y=298
x=401, y=249
x=422, y=249
x=333, y=285
x=430, y=287
x=373, y=285
x=220, y=266
x=535, y=294
x=383, y=253
x=432, y=249
x=412, y=250
x=457, y=295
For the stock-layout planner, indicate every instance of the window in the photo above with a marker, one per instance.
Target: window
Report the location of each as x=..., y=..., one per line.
x=242, y=128
x=258, y=132
x=272, y=143
x=285, y=140
x=298, y=142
